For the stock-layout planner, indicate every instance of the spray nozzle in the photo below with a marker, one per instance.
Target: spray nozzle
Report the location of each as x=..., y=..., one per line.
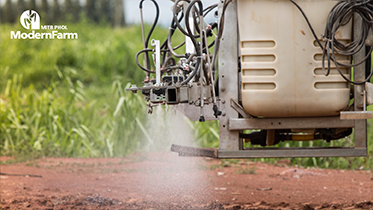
x=217, y=112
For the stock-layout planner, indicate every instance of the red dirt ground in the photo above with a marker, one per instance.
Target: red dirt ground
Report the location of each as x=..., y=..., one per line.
x=166, y=181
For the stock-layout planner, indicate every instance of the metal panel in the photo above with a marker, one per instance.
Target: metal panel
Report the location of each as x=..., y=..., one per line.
x=288, y=123
x=359, y=75
x=293, y=152
x=369, y=91
x=228, y=78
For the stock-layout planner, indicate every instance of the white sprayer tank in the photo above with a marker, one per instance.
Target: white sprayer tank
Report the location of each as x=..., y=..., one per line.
x=281, y=67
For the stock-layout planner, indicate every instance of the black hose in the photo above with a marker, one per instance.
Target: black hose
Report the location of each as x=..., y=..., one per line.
x=209, y=9
x=166, y=46
x=171, y=31
x=174, y=23
x=175, y=18
x=173, y=26
x=187, y=24
x=165, y=43
x=137, y=59
x=192, y=74
x=148, y=37
x=155, y=20
x=339, y=16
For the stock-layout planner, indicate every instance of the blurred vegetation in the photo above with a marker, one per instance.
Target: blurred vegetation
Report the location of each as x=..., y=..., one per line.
x=53, y=12
x=67, y=98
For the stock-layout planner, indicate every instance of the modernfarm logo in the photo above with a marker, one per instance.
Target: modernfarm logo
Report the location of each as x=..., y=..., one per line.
x=30, y=20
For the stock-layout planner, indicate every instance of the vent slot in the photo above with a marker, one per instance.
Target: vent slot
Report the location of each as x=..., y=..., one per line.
x=318, y=57
x=343, y=41
x=258, y=44
x=258, y=58
x=333, y=71
x=331, y=85
x=259, y=72
x=259, y=86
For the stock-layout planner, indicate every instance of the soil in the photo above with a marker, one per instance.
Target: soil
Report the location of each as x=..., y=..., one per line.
x=167, y=181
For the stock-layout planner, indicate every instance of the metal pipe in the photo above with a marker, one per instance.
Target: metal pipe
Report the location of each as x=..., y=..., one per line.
x=157, y=46
x=202, y=66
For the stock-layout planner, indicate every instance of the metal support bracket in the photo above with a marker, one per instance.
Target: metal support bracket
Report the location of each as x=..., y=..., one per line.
x=276, y=152
x=366, y=93
x=236, y=106
x=357, y=115
x=273, y=152
x=288, y=123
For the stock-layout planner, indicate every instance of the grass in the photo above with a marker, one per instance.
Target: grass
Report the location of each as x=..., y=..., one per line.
x=66, y=121
x=246, y=171
x=66, y=98
x=225, y=163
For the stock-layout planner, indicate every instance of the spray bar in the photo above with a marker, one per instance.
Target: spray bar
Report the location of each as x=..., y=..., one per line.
x=194, y=152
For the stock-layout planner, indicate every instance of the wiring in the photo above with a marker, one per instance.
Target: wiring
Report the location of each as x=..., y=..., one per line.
x=341, y=14
x=198, y=65
x=146, y=42
x=219, y=35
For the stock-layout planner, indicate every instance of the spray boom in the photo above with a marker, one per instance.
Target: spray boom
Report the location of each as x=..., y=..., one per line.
x=279, y=79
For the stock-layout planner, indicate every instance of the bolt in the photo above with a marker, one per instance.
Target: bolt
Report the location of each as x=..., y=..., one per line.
x=223, y=114
x=222, y=89
x=223, y=101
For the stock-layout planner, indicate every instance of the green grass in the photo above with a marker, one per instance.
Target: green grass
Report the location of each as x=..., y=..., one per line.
x=67, y=98
x=63, y=120
x=246, y=171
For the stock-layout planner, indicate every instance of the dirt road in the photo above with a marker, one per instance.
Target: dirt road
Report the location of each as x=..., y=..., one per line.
x=166, y=181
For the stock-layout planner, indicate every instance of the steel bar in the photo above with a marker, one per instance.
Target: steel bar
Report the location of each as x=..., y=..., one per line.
x=236, y=106
x=228, y=78
x=288, y=123
x=359, y=75
x=293, y=152
x=356, y=115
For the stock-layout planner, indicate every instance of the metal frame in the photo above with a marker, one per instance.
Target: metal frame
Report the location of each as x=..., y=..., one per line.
x=231, y=146
x=288, y=123
x=228, y=79
x=359, y=75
